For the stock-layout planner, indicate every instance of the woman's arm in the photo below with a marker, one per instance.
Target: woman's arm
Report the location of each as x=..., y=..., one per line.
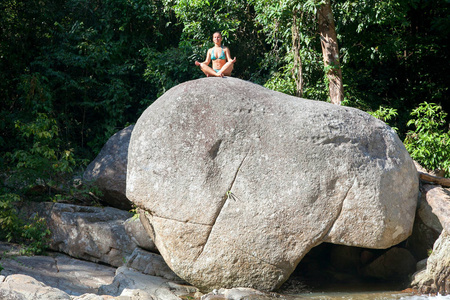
x=228, y=55
x=207, y=60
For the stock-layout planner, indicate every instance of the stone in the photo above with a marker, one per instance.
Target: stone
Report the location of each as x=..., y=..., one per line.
x=108, y=171
x=425, y=211
x=237, y=182
x=97, y=234
x=139, y=235
x=150, y=264
x=71, y=276
x=131, y=283
x=93, y=233
x=23, y=287
x=436, y=277
x=438, y=199
x=421, y=264
x=395, y=264
x=58, y=276
x=426, y=230
x=242, y=294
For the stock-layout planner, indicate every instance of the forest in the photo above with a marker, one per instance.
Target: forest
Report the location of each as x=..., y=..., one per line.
x=74, y=72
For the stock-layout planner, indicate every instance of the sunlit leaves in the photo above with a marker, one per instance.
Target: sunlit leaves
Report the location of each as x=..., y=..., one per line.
x=429, y=143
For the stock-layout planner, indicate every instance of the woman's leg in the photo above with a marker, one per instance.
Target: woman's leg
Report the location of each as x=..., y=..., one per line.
x=227, y=68
x=209, y=71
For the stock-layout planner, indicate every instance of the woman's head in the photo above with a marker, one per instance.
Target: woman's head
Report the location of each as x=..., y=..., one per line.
x=217, y=37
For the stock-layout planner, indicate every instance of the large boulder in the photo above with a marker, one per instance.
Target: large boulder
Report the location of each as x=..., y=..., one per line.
x=237, y=182
x=108, y=171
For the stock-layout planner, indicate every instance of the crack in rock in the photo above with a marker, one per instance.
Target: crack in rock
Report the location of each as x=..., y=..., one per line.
x=339, y=210
x=222, y=204
x=180, y=221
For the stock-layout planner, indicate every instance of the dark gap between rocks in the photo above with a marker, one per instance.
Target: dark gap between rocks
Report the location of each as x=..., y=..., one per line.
x=336, y=268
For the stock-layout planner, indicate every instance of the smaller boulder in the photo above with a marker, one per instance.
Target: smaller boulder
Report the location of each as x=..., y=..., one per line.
x=24, y=287
x=436, y=277
x=108, y=171
x=98, y=234
x=131, y=283
x=426, y=230
x=151, y=264
x=139, y=235
x=395, y=264
x=439, y=200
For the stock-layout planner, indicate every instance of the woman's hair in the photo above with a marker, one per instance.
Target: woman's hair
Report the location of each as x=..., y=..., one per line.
x=218, y=33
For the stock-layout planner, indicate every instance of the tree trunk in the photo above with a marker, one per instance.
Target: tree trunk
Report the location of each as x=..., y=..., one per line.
x=330, y=52
x=297, y=59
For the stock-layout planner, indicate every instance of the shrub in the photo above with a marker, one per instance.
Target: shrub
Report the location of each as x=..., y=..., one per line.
x=10, y=224
x=34, y=236
x=385, y=114
x=429, y=143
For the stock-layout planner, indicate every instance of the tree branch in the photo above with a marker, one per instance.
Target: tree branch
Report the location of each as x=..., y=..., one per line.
x=435, y=179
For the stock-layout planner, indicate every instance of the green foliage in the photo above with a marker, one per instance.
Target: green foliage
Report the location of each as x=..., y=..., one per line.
x=281, y=82
x=169, y=68
x=10, y=223
x=392, y=54
x=276, y=19
x=234, y=19
x=46, y=162
x=385, y=114
x=429, y=143
x=202, y=18
x=34, y=236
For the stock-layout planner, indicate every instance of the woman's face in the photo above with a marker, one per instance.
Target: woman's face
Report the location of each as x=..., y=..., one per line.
x=217, y=38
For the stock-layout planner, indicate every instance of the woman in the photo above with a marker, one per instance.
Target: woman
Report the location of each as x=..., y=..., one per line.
x=222, y=64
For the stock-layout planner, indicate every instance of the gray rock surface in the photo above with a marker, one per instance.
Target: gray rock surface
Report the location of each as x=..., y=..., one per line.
x=438, y=199
x=58, y=276
x=150, y=264
x=72, y=276
x=427, y=226
x=23, y=287
x=425, y=211
x=130, y=283
x=97, y=234
x=108, y=171
x=239, y=182
x=139, y=235
x=435, y=278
